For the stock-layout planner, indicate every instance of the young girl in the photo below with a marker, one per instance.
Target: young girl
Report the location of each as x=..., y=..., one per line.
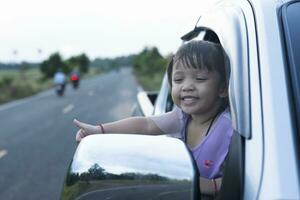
x=198, y=77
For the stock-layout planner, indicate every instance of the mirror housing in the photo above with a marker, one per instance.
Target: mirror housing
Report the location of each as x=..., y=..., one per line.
x=122, y=166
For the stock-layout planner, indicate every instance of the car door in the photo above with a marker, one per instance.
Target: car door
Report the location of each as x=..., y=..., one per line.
x=262, y=103
x=233, y=24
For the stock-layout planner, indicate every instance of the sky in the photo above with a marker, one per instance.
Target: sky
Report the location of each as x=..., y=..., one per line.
x=167, y=163
x=32, y=30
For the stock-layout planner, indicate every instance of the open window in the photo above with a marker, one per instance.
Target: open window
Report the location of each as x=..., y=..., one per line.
x=290, y=14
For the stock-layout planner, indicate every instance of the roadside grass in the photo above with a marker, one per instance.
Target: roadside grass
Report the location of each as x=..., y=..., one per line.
x=17, y=84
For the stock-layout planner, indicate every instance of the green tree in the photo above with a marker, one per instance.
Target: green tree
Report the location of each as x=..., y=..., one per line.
x=106, y=64
x=149, y=62
x=97, y=172
x=81, y=61
x=52, y=64
x=149, y=67
x=84, y=63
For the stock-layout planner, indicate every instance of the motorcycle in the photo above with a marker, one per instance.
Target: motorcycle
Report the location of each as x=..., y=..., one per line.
x=75, y=81
x=60, y=89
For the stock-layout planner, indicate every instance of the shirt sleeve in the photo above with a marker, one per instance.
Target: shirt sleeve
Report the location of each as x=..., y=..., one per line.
x=169, y=123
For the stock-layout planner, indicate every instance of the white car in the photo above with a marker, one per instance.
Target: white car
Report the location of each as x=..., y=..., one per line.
x=262, y=40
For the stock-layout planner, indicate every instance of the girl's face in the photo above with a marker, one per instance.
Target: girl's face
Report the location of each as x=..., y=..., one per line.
x=196, y=91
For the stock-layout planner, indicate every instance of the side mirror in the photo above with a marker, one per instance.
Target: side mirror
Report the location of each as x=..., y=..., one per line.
x=120, y=166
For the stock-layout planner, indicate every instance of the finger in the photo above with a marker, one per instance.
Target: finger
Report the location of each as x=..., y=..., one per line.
x=79, y=124
x=79, y=135
x=78, y=138
x=83, y=133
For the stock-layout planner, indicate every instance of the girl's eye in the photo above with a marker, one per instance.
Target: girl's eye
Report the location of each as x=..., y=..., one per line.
x=177, y=80
x=200, y=79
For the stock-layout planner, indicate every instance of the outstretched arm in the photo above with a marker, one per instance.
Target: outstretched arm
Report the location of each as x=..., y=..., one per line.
x=132, y=125
x=166, y=123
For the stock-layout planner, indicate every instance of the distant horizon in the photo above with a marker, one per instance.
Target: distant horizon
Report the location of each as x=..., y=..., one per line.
x=101, y=57
x=36, y=62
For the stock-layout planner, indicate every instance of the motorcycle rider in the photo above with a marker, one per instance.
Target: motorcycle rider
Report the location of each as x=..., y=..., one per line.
x=75, y=77
x=59, y=81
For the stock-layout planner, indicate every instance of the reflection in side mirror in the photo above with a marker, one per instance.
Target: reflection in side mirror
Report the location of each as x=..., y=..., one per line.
x=119, y=166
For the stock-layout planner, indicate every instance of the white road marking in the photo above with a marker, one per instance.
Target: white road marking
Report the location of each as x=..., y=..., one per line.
x=91, y=93
x=3, y=152
x=68, y=108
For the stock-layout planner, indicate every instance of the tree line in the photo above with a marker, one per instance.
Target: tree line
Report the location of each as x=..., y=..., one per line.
x=148, y=65
x=98, y=173
x=55, y=62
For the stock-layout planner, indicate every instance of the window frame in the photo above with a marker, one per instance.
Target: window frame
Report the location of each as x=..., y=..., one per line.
x=292, y=61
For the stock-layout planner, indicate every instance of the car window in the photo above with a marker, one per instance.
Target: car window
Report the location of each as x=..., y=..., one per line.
x=291, y=28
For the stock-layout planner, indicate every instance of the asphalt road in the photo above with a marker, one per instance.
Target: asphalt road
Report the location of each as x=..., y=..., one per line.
x=37, y=136
x=144, y=192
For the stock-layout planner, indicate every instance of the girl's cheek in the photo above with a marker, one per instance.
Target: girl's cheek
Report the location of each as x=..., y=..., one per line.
x=175, y=91
x=175, y=95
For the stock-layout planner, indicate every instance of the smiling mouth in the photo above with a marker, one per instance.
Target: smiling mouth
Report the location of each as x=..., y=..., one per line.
x=189, y=99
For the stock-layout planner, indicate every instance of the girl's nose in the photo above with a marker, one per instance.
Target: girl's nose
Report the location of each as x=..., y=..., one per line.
x=187, y=87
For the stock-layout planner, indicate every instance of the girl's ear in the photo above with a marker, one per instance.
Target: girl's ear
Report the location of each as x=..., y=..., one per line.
x=223, y=91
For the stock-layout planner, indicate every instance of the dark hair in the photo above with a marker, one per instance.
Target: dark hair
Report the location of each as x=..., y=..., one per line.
x=202, y=55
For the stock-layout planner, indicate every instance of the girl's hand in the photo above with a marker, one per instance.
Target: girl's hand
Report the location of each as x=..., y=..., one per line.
x=85, y=130
x=208, y=187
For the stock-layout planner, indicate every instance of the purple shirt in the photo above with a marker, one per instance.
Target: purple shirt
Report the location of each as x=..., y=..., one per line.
x=211, y=152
